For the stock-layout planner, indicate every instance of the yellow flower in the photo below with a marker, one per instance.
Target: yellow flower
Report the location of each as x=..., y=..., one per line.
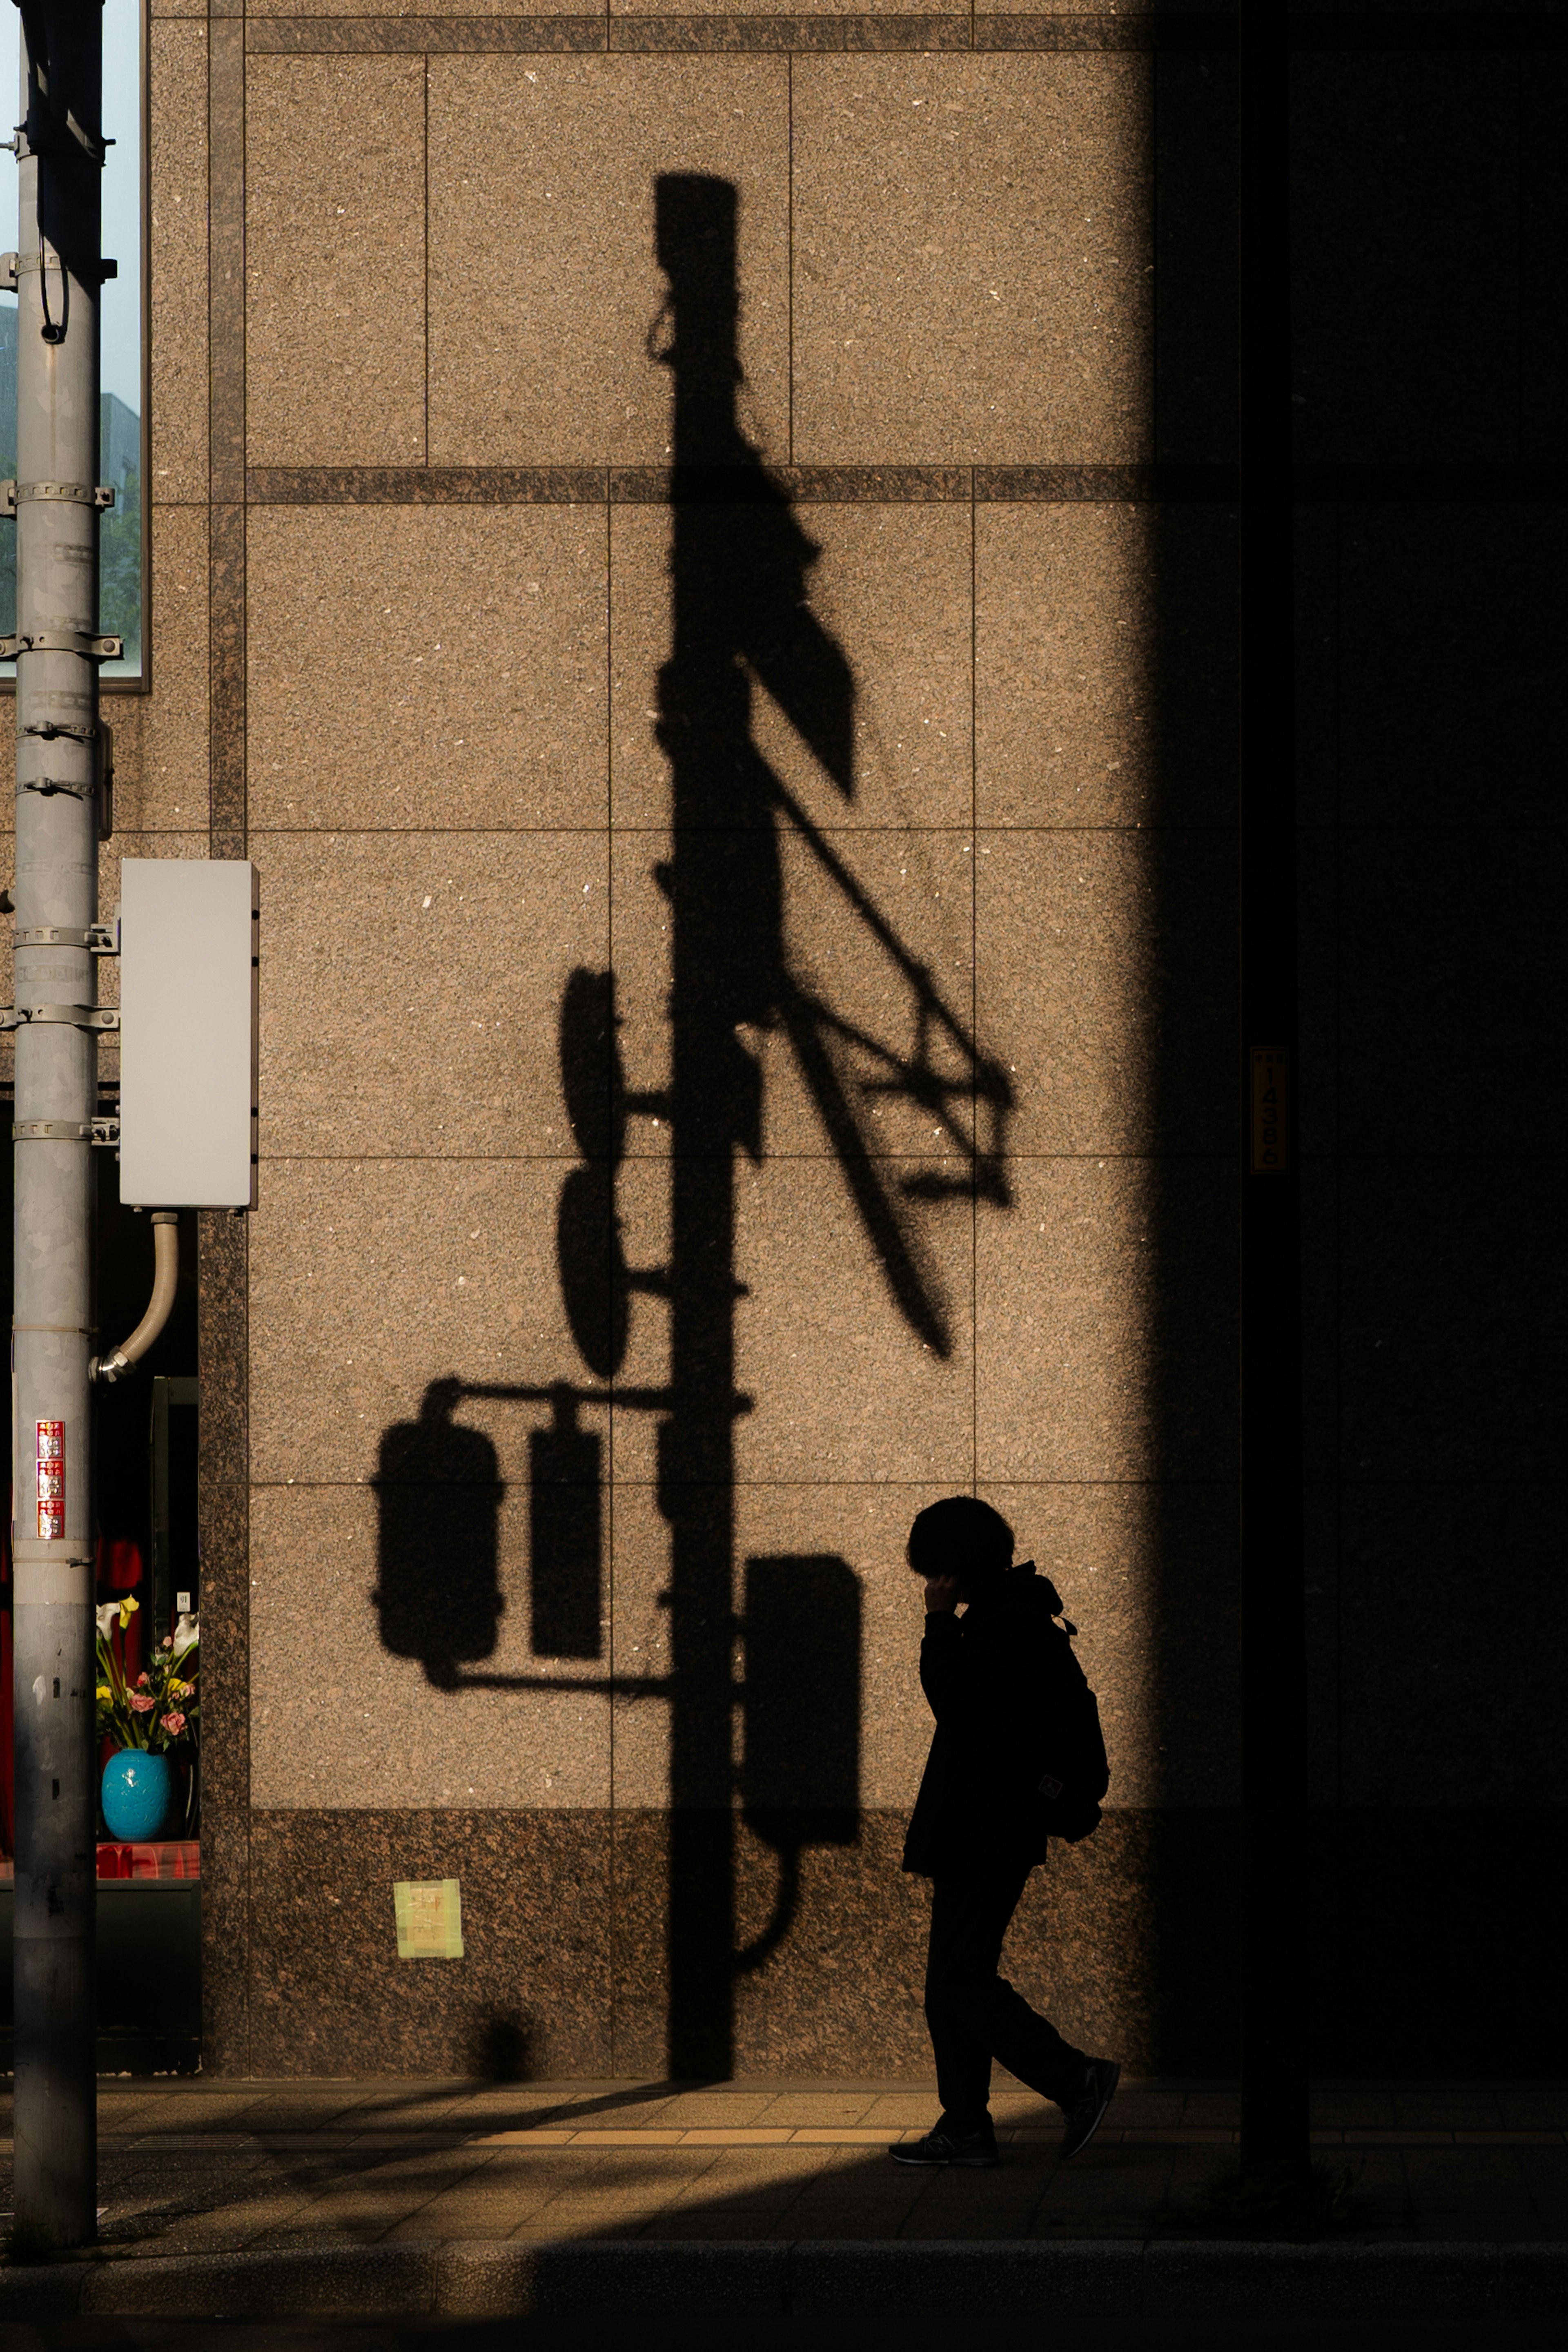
x=104, y=1691
x=128, y=1609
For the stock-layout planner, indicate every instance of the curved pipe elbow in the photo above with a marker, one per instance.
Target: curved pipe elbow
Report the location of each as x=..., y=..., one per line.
x=160, y=1307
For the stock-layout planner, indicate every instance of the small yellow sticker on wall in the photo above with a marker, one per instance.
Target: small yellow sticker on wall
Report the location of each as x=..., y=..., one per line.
x=429, y=1918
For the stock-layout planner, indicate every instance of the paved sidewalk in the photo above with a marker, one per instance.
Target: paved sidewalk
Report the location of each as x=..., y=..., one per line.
x=188, y=2168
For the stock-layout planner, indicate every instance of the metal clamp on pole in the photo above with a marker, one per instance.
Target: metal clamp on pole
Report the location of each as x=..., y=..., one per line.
x=14, y=266
x=15, y=494
x=104, y=1131
x=47, y=785
x=72, y=1016
x=62, y=641
x=99, y=939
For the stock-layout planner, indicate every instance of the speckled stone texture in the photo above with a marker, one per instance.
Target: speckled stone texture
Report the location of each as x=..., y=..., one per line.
x=541, y=174
x=971, y=253
x=335, y=258
x=434, y=651
x=531, y=1994
x=223, y=1504
x=1124, y=1941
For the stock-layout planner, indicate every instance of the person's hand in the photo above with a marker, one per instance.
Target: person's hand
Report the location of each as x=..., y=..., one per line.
x=942, y=1592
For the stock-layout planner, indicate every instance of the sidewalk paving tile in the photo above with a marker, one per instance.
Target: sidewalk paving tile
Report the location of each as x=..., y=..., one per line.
x=279, y=2166
x=693, y=2109
x=1212, y=2108
x=797, y=2108
x=1539, y=2108
x=1153, y=2107
x=1451, y=2109
x=747, y=2136
x=852, y=2136
x=1397, y=2139
x=607, y=2135
x=541, y=2136
x=298, y=2143
x=914, y=2110
x=1353, y=2110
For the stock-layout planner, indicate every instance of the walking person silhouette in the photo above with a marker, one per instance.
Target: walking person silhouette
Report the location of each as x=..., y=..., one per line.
x=1017, y=1759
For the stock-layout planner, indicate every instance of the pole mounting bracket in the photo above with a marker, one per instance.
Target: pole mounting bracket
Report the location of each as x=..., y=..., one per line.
x=50, y=733
x=69, y=1016
x=50, y=784
x=99, y=939
x=80, y=494
x=103, y=1131
x=13, y=265
x=62, y=641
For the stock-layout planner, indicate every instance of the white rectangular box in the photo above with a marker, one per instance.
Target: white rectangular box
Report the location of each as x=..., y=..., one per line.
x=187, y=1013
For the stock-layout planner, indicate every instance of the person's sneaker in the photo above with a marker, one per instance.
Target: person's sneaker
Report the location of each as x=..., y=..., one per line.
x=975, y=2149
x=1087, y=2113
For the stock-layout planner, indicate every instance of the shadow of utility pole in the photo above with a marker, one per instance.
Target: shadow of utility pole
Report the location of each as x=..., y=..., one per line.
x=741, y=618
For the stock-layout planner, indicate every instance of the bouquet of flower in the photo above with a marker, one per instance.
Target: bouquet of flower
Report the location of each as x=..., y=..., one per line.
x=161, y=1709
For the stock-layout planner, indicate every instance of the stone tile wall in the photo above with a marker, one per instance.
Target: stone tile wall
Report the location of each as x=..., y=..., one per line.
x=412, y=529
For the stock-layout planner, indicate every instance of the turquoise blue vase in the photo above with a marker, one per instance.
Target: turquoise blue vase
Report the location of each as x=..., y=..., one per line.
x=138, y=1794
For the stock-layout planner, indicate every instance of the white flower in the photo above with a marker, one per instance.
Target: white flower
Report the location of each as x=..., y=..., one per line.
x=187, y=1633
x=107, y=1619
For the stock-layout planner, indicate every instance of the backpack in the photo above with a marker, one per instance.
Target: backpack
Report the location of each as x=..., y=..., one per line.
x=1075, y=1772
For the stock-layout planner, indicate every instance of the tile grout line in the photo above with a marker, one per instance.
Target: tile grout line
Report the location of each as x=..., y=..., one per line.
x=974, y=995
x=790, y=251
x=424, y=239
x=610, y=1479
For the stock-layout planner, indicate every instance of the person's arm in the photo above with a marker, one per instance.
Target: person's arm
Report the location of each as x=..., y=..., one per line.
x=942, y=1650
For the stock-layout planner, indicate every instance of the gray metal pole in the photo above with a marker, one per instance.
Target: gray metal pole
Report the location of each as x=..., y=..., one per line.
x=60, y=152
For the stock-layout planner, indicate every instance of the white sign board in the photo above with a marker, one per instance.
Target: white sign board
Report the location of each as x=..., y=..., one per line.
x=187, y=1021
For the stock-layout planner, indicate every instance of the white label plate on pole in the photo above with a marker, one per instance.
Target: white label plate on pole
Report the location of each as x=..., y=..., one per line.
x=187, y=1038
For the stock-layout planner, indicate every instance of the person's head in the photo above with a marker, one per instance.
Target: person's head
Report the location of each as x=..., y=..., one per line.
x=960, y=1537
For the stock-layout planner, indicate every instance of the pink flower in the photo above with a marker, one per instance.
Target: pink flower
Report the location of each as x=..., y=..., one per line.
x=142, y=1703
x=142, y=1682
x=174, y=1724
x=168, y=1640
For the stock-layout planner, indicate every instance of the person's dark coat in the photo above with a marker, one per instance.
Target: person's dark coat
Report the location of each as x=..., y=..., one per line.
x=1011, y=1707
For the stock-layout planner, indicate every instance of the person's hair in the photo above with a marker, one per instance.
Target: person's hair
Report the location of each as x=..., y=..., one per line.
x=960, y=1537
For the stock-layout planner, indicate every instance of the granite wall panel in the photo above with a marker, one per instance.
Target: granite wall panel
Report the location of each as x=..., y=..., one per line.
x=402, y=1607
x=544, y=293
x=1428, y=148
x=1430, y=596
x=565, y=1967
x=843, y=1992
x=456, y=957
x=963, y=1250
x=1452, y=1331
x=530, y=1994
x=1066, y=722
x=375, y=1281
x=177, y=321
x=1104, y=1323
x=891, y=586
x=862, y=911
x=438, y=668
x=1108, y=966
x=161, y=747
x=160, y=739
x=335, y=261
x=971, y=259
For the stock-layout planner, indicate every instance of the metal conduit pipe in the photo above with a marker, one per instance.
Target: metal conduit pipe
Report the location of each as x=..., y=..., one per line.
x=160, y=1307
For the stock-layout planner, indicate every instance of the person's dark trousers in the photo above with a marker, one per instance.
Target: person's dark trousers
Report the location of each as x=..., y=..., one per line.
x=974, y=2014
